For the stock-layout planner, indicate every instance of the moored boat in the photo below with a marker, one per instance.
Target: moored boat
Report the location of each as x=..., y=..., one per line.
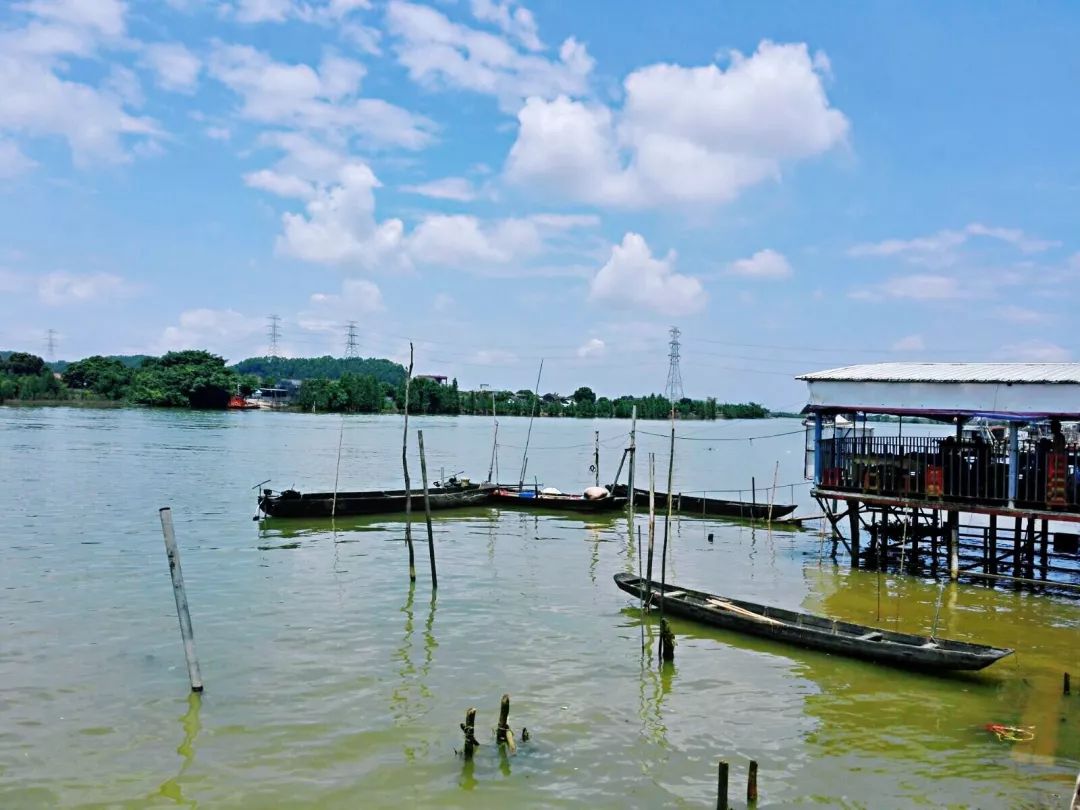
x=293, y=504
x=700, y=505
x=553, y=499
x=816, y=632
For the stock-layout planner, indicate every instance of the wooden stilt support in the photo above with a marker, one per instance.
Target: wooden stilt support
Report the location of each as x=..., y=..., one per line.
x=992, y=560
x=853, y=523
x=751, y=784
x=1044, y=540
x=1018, y=548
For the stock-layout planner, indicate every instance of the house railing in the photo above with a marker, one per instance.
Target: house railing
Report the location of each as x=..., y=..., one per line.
x=970, y=471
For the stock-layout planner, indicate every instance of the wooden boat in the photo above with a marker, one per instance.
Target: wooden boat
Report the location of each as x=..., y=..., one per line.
x=293, y=504
x=238, y=403
x=817, y=632
x=538, y=499
x=698, y=505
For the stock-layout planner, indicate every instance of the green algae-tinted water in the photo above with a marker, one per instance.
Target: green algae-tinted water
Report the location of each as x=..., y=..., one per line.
x=331, y=683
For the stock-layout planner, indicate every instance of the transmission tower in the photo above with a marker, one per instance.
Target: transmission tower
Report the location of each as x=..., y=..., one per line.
x=273, y=330
x=350, y=343
x=674, y=389
x=50, y=344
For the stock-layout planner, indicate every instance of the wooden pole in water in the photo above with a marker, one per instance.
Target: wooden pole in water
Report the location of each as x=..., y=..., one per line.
x=722, y=787
x=772, y=494
x=596, y=456
x=186, y=632
x=753, y=497
x=469, y=728
x=652, y=516
x=405, y=468
x=337, y=469
x=751, y=783
x=633, y=464
x=528, y=435
x=667, y=516
x=1065, y=685
x=427, y=510
x=503, y=734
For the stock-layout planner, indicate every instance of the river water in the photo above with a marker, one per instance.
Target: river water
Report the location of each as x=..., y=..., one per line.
x=331, y=683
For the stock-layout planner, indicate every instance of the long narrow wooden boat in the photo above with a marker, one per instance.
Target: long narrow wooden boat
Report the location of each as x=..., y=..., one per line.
x=532, y=499
x=293, y=504
x=699, y=505
x=817, y=632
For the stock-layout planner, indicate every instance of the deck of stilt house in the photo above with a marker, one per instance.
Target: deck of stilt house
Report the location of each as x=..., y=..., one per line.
x=997, y=503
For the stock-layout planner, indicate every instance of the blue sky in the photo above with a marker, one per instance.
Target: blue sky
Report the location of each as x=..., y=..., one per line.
x=795, y=185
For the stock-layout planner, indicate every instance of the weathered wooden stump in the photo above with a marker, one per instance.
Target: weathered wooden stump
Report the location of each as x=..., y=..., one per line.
x=469, y=728
x=751, y=783
x=667, y=642
x=503, y=734
x=722, y=787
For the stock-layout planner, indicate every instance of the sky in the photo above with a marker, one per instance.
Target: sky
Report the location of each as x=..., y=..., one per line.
x=795, y=185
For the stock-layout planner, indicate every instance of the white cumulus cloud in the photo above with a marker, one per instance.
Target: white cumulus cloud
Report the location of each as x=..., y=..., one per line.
x=765, y=264
x=175, y=67
x=593, y=347
x=60, y=288
x=634, y=278
x=684, y=134
x=458, y=189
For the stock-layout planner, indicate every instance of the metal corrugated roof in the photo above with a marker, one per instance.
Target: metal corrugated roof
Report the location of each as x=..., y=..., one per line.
x=951, y=373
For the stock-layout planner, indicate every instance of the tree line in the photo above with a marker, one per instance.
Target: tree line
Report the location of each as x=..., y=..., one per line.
x=199, y=379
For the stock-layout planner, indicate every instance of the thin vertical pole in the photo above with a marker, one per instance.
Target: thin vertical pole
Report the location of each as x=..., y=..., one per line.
x=427, y=510
x=596, y=456
x=528, y=435
x=1014, y=461
x=186, y=632
x=405, y=468
x=772, y=494
x=633, y=464
x=652, y=516
x=818, y=457
x=667, y=516
x=954, y=545
x=494, y=437
x=337, y=469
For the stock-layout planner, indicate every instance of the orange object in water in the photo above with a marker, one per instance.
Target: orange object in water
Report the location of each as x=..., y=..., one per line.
x=1011, y=733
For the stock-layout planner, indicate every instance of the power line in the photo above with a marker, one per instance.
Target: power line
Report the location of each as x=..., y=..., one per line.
x=674, y=388
x=350, y=342
x=273, y=330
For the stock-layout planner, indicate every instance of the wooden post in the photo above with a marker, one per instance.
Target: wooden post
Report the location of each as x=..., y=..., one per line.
x=186, y=632
x=753, y=497
x=772, y=494
x=405, y=468
x=633, y=464
x=652, y=517
x=596, y=456
x=853, y=523
x=503, y=734
x=992, y=562
x=1065, y=684
x=722, y=787
x=427, y=510
x=751, y=783
x=667, y=517
x=469, y=727
x=667, y=640
x=1018, y=547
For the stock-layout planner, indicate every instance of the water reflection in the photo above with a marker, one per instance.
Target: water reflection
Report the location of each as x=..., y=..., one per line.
x=171, y=788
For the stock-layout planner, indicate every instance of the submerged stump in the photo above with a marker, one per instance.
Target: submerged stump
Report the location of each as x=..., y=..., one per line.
x=469, y=728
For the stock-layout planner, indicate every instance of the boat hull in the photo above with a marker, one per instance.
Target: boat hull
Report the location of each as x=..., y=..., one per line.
x=713, y=507
x=292, y=504
x=816, y=632
x=562, y=503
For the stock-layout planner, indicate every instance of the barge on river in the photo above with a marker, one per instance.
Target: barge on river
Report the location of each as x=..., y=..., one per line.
x=816, y=632
x=290, y=503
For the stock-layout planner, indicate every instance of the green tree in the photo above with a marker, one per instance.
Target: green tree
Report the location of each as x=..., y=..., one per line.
x=105, y=376
x=194, y=378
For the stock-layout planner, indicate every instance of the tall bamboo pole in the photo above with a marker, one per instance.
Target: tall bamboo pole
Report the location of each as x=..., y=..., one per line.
x=427, y=510
x=652, y=516
x=633, y=463
x=405, y=468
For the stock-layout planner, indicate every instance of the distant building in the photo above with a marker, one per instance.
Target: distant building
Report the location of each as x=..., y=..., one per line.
x=439, y=378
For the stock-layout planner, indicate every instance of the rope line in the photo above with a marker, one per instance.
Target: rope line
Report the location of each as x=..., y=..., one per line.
x=722, y=438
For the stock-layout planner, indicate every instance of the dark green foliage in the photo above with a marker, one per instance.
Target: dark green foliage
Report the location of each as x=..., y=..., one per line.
x=326, y=367
x=22, y=364
x=192, y=378
x=107, y=377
